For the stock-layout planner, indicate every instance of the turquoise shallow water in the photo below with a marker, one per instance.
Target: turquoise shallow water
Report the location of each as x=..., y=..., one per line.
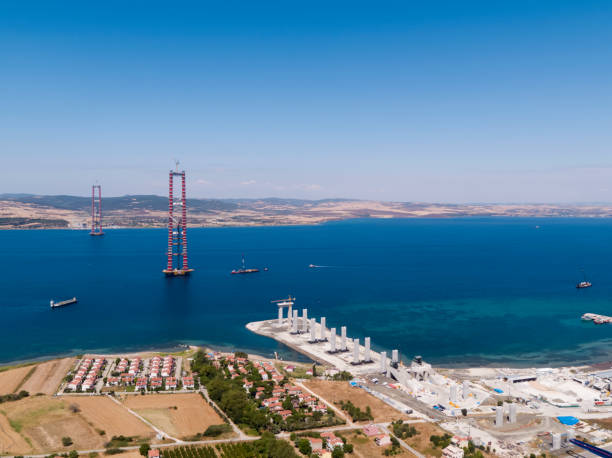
x=457, y=291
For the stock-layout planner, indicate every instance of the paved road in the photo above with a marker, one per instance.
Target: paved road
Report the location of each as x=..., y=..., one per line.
x=178, y=371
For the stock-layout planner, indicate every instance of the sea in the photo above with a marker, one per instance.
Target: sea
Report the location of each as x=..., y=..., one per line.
x=457, y=291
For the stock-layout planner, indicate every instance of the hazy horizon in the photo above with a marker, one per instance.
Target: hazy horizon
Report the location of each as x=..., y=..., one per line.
x=504, y=102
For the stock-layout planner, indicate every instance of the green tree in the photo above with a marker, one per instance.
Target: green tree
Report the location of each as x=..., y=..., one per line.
x=348, y=448
x=338, y=452
x=144, y=449
x=304, y=446
x=66, y=441
x=73, y=454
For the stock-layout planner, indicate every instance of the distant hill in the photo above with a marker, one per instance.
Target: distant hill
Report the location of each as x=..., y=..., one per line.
x=36, y=211
x=134, y=202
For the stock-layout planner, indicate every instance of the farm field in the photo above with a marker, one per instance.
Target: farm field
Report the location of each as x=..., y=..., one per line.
x=191, y=452
x=12, y=378
x=47, y=376
x=44, y=421
x=341, y=391
x=180, y=415
x=129, y=454
x=106, y=415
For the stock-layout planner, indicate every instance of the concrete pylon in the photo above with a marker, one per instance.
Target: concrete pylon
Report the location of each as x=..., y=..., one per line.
x=466, y=389
x=556, y=441
x=383, y=361
x=294, y=322
x=290, y=316
x=313, y=337
x=366, y=353
x=332, y=339
x=304, y=320
x=280, y=316
x=394, y=357
x=343, y=338
x=512, y=413
x=499, y=416
x=355, y=351
x=322, y=331
x=453, y=393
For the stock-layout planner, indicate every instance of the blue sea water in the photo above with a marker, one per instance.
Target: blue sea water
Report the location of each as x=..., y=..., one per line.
x=457, y=291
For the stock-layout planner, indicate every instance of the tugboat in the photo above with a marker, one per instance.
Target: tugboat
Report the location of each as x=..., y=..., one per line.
x=243, y=269
x=584, y=283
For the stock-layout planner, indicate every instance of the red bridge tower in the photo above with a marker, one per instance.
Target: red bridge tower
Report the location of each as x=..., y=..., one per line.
x=96, y=210
x=177, y=228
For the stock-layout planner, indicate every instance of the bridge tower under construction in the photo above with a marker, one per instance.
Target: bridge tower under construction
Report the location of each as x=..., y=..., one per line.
x=177, y=226
x=96, y=210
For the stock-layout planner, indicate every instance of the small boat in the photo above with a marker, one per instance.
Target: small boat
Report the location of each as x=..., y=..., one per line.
x=62, y=303
x=243, y=269
x=584, y=283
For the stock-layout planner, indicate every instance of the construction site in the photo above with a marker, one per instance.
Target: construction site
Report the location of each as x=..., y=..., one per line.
x=513, y=411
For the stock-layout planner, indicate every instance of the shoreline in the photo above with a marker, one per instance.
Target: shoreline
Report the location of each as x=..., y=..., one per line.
x=132, y=353
x=464, y=366
x=256, y=224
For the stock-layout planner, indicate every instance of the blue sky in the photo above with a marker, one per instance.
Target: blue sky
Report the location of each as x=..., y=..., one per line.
x=439, y=101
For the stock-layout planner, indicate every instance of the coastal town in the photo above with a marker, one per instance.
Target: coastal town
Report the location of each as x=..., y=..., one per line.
x=223, y=404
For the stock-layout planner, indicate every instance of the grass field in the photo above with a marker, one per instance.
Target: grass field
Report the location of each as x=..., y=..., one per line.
x=180, y=415
x=11, y=379
x=10, y=440
x=342, y=391
x=421, y=441
x=105, y=415
x=47, y=376
x=365, y=447
x=43, y=421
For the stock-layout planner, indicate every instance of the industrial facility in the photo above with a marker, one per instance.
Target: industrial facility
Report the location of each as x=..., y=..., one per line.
x=511, y=411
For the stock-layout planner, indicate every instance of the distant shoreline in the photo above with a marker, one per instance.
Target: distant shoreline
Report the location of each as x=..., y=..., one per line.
x=318, y=223
x=73, y=212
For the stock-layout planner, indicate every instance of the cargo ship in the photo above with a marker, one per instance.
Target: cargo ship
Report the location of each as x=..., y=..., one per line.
x=244, y=270
x=62, y=303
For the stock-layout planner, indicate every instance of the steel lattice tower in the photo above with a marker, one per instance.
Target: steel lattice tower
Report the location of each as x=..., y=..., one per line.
x=177, y=228
x=96, y=210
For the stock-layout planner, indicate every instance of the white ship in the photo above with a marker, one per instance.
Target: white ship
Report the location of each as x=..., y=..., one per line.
x=62, y=303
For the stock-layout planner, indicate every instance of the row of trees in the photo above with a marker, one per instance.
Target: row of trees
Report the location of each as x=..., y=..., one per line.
x=355, y=412
x=14, y=396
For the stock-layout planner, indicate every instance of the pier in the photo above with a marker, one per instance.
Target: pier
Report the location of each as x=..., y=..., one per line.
x=310, y=338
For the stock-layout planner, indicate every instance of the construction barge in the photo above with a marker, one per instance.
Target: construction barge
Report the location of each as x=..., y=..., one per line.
x=597, y=319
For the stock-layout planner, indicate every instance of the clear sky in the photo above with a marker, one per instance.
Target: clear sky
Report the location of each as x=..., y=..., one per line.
x=458, y=101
